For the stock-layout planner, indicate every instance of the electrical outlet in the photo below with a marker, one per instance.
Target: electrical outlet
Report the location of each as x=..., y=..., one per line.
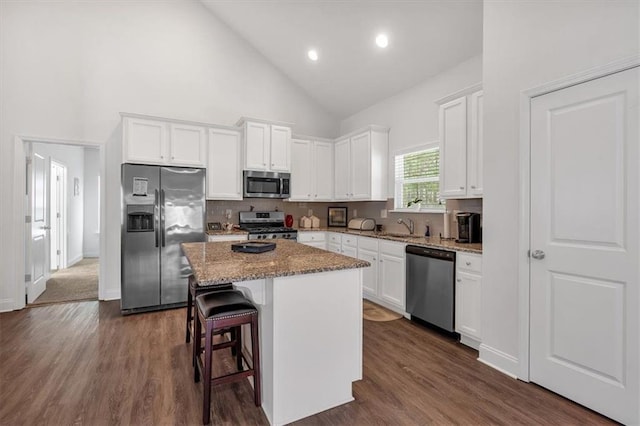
x=228, y=213
x=310, y=212
x=383, y=213
x=355, y=212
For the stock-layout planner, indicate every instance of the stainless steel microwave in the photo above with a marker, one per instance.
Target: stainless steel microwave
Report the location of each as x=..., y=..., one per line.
x=266, y=184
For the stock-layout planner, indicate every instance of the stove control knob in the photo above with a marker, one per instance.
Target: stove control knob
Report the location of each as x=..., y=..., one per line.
x=273, y=236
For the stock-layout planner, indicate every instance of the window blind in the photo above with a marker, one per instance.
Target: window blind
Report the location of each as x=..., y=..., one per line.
x=417, y=177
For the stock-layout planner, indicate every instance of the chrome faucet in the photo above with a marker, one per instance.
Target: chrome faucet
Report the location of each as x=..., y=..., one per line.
x=409, y=226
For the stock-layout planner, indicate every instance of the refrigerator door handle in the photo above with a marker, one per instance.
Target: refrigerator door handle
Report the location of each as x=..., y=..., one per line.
x=156, y=219
x=162, y=217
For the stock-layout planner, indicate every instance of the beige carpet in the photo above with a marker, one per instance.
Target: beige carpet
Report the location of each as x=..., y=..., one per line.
x=373, y=312
x=79, y=282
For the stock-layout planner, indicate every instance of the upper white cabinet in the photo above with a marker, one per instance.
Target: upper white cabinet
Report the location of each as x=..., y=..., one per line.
x=266, y=146
x=460, y=121
x=361, y=165
x=224, y=165
x=154, y=141
x=311, y=170
x=187, y=145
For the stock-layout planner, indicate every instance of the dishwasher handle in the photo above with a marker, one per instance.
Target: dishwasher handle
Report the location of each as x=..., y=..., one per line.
x=429, y=252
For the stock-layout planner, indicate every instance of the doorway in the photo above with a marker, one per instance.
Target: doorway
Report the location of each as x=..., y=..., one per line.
x=62, y=248
x=584, y=243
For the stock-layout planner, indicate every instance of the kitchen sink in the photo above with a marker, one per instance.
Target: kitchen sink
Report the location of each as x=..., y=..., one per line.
x=398, y=235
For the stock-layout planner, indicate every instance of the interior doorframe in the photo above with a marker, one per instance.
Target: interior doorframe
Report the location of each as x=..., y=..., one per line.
x=19, y=210
x=524, y=282
x=63, y=214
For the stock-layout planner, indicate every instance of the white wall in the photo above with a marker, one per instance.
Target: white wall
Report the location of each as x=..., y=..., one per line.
x=91, y=191
x=412, y=114
x=68, y=69
x=525, y=45
x=72, y=157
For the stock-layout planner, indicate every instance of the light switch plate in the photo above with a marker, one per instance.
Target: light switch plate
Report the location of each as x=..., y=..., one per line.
x=355, y=212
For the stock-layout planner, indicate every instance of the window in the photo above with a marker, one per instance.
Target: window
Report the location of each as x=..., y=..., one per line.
x=418, y=178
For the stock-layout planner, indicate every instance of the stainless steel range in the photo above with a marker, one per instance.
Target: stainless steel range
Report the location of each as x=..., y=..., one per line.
x=266, y=226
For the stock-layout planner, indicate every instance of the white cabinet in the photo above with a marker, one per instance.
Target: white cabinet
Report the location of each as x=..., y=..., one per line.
x=187, y=145
x=280, y=149
x=322, y=178
x=226, y=237
x=342, y=244
x=475, y=148
x=266, y=146
x=368, y=251
x=360, y=162
x=311, y=170
x=461, y=145
x=313, y=238
x=144, y=141
x=342, y=173
x=384, y=281
x=468, y=296
x=153, y=141
x=392, y=273
x=224, y=165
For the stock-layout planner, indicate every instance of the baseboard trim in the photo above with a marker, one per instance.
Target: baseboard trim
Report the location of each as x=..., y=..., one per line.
x=74, y=261
x=499, y=360
x=111, y=295
x=7, y=305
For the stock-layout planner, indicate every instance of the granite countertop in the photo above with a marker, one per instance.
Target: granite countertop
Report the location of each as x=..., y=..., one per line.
x=418, y=240
x=215, y=263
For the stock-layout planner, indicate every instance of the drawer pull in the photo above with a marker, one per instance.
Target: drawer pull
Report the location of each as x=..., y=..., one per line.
x=468, y=263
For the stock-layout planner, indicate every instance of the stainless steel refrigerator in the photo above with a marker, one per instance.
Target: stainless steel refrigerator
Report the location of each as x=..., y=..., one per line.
x=161, y=208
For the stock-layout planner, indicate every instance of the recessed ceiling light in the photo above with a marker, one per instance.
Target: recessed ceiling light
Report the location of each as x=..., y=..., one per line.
x=313, y=55
x=382, y=40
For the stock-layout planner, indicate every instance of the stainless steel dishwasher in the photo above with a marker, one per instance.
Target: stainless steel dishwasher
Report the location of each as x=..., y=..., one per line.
x=431, y=286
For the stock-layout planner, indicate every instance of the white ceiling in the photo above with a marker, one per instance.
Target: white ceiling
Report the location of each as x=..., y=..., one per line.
x=426, y=37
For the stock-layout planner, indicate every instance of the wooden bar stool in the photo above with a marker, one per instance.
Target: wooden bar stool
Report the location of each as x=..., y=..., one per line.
x=194, y=291
x=218, y=311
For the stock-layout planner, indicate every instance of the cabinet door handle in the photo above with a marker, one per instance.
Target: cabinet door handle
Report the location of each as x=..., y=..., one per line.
x=459, y=280
x=308, y=195
x=468, y=263
x=173, y=158
x=473, y=187
x=374, y=258
x=462, y=187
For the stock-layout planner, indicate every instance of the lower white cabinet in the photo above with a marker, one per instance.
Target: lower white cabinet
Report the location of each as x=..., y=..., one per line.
x=468, y=295
x=226, y=237
x=313, y=239
x=384, y=282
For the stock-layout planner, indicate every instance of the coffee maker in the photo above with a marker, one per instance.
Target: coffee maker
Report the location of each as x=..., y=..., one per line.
x=469, y=230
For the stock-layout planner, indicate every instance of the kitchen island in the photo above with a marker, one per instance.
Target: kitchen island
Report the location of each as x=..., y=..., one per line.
x=310, y=304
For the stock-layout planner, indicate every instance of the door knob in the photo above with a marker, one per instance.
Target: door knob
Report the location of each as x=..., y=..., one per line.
x=537, y=254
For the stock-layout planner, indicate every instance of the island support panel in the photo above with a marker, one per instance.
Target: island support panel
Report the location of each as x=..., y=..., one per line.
x=311, y=341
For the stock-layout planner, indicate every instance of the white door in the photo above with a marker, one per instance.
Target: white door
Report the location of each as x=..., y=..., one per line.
x=39, y=228
x=584, y=219
x=56, y=210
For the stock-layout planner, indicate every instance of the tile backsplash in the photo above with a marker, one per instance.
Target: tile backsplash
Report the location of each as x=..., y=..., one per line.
x=216, y=212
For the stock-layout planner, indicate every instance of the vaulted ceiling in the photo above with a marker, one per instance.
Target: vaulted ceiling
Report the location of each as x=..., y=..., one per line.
x=426, y=37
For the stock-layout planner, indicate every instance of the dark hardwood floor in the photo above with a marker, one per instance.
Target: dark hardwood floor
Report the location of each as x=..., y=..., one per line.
x=83, y=363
